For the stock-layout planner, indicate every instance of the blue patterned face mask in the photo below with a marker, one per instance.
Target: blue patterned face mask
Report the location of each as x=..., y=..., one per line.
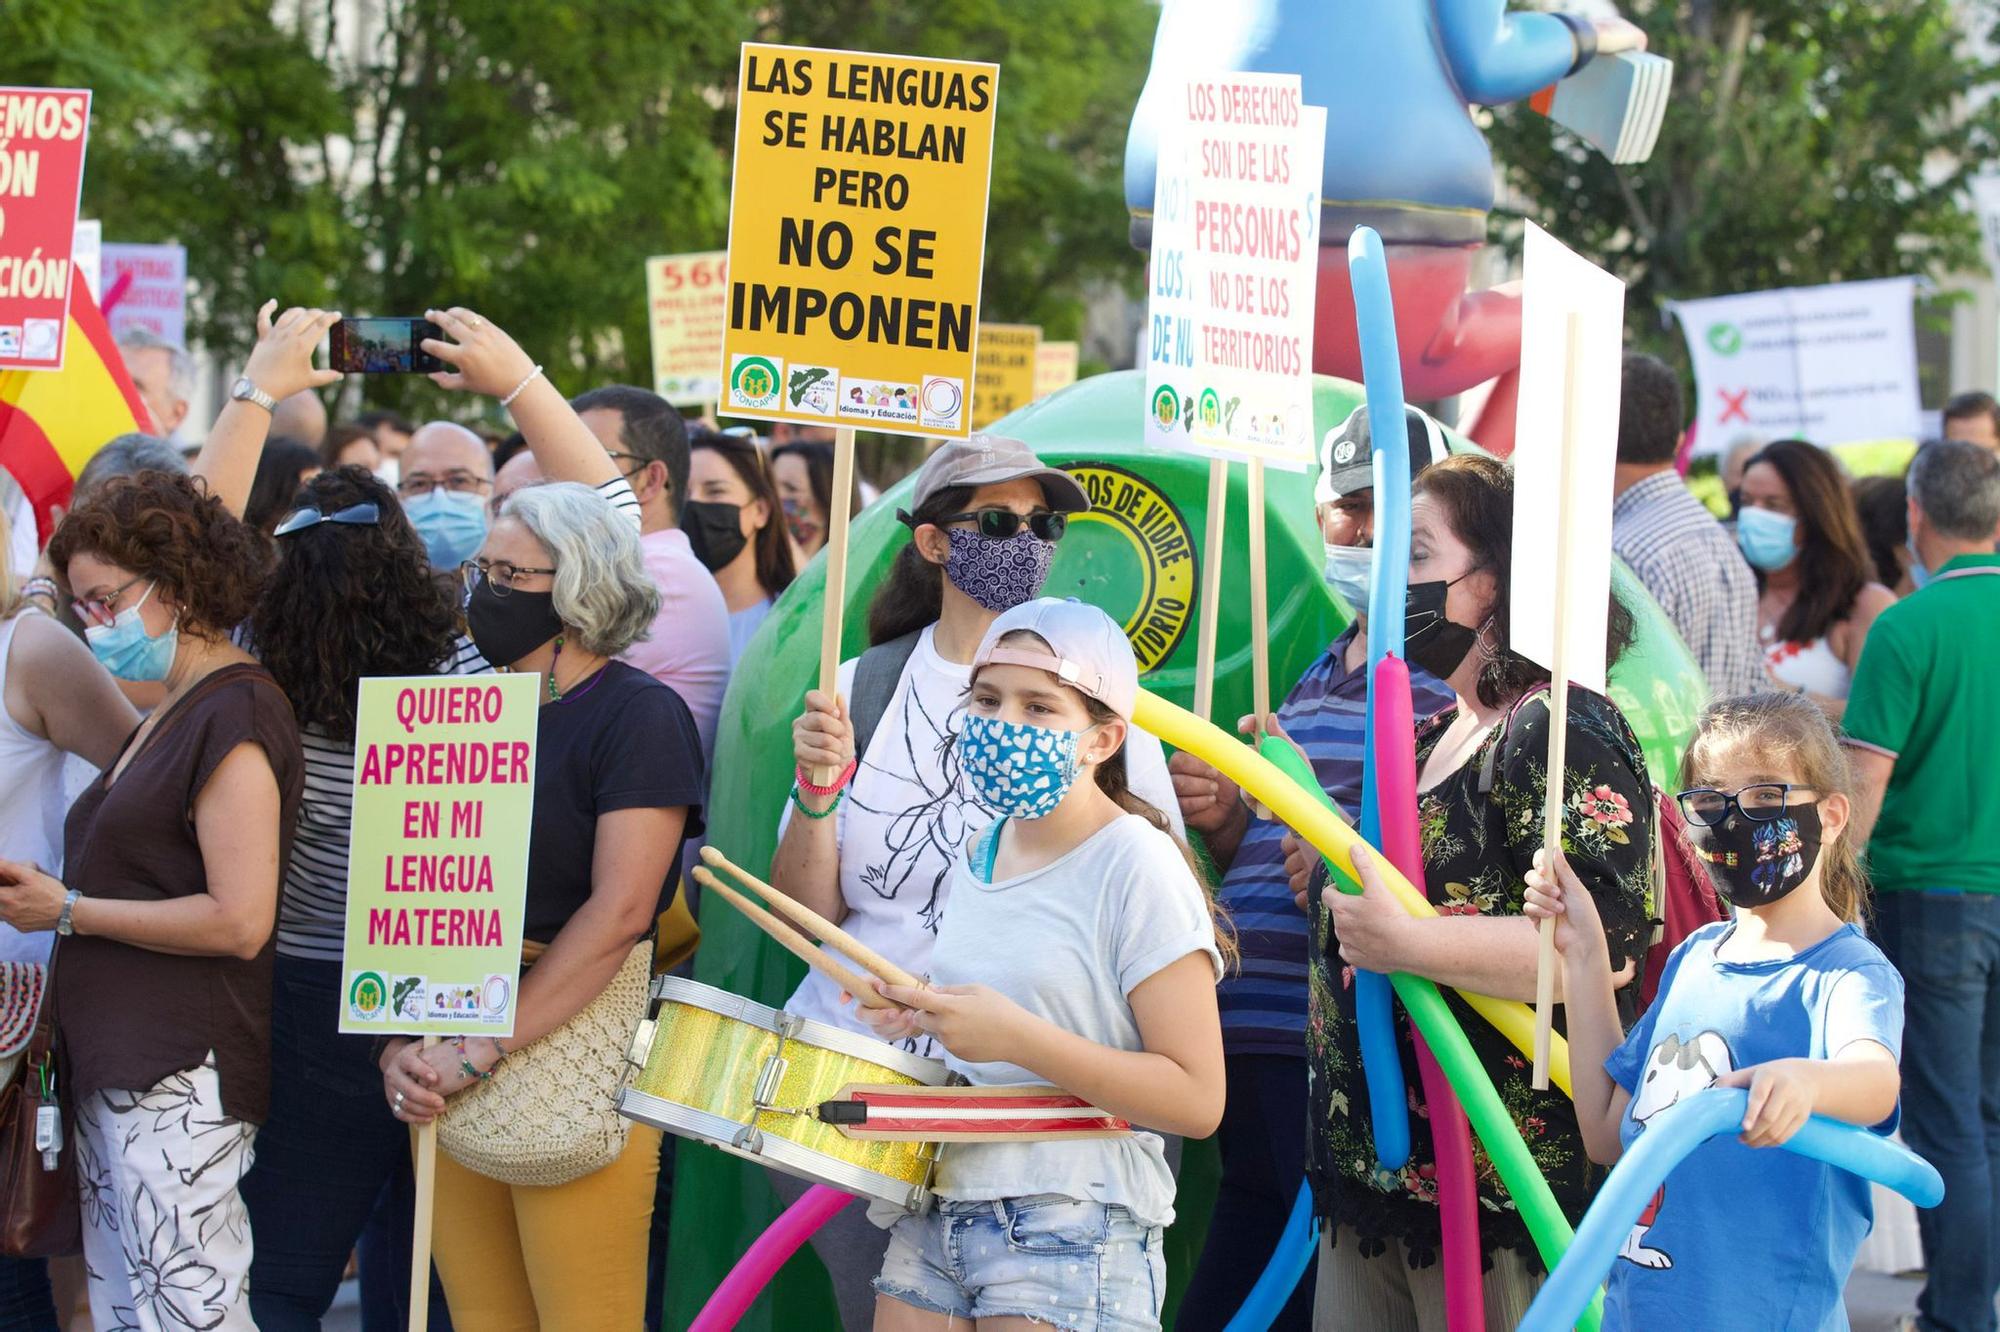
x=1016, y=770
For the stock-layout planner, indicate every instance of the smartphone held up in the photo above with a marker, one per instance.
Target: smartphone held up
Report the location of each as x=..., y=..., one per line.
x=383, y=345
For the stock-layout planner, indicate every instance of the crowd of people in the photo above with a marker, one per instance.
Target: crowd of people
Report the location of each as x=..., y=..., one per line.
x=179, y=672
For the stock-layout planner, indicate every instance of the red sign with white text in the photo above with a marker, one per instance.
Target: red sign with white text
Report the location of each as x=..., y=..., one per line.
x=42, y=136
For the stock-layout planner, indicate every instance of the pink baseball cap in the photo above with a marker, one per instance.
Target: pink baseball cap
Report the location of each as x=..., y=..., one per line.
x=1087, y=649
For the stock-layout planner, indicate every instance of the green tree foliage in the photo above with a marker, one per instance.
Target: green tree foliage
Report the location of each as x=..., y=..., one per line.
x=1807, y=141
x=523, y=160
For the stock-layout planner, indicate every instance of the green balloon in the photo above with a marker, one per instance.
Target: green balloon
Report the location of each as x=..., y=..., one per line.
x=1137, y=555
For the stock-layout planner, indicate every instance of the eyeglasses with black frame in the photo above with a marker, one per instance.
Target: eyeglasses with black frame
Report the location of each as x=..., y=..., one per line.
x=1759, y=802
x=496, y=572
x=365, y=514
x=999, y=524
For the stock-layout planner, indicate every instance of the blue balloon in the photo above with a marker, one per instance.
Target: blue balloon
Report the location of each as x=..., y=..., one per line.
x=1260, y=1308
x=1669, y=1137
x=1374, y=1005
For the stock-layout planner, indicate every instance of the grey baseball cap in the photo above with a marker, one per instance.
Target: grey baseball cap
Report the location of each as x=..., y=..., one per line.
x=1347, y=455
x=988, y=460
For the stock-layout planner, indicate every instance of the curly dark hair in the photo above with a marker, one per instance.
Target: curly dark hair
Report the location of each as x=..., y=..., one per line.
x=348, y=601
x=1477, y=494
x=166, y=527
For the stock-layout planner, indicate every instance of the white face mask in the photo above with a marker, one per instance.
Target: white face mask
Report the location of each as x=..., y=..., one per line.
x=1347, y=572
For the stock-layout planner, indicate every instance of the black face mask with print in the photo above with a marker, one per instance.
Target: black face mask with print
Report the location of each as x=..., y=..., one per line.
x=1754, y=862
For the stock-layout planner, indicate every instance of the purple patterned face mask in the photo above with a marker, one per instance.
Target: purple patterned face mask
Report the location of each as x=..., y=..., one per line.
x=998, y=573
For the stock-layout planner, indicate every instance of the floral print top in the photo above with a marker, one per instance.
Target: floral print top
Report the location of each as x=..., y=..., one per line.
x=1481, y=829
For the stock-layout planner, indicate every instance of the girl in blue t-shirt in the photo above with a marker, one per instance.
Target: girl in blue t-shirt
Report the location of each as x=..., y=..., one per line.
x=1789, y=999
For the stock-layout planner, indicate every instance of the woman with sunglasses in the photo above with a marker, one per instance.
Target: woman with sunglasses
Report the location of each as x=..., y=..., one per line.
x=171, y=866
x=1789, y=1000
x=732, y=521
x=874, y=850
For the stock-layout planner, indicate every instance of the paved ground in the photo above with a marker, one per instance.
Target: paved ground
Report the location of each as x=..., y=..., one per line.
x=1874, y=1303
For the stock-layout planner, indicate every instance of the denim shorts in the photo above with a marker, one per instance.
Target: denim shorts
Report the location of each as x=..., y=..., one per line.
x=1070, y=1264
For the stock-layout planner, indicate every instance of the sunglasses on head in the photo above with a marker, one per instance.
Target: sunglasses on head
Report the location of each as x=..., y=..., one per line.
x=365, y=514
x=1000, y=524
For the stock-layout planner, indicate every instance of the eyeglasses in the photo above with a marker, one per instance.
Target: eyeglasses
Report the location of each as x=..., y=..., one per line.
x=1003, y=523
x=422, y=483
x=500, y=574
x=1759, y=802
x=103, y=610
x=364, y=514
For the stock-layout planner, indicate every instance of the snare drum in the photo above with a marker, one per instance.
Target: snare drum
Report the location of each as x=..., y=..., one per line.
x=747, y=1078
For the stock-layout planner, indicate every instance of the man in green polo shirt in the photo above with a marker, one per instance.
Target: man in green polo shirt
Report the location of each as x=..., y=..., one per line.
x=1923, y=730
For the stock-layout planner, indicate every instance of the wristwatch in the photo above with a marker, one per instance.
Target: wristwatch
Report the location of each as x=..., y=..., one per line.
x=245, y=391
x=63, y=925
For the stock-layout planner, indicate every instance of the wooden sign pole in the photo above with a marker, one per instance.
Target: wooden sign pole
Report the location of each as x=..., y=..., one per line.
x=833, y=602
x=1553, y=798
x=1211, y=586
x=425, y=1168
x=1260, y=619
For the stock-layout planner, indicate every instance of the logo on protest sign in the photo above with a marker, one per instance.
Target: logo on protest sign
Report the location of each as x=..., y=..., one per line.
x=686, y=298
x=444, y=772
x=1727, y=339
x=1211, y=409
x=367, y=998
x=1134, y=537
x=43, y=133
x=1166, y=407
x=943, y=403
x=810, y=389
x=753, y=381
x=857, y=231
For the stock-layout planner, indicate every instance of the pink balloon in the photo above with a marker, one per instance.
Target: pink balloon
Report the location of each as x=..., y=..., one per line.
x=1451, y=1135
x=754, y=1270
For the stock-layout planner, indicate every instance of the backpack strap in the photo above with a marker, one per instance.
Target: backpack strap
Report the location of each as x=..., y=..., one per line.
x=876, y=676
x=1488, y=766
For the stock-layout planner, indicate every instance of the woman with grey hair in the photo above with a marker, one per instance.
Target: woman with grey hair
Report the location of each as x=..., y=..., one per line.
x=559, y=590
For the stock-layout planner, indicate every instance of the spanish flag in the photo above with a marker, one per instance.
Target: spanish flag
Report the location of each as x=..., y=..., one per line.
x=51, y=421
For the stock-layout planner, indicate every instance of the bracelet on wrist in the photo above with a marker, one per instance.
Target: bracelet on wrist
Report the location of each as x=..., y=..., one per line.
x=530, y=378
x=41, y=585
x=471, y=1069
x=839, y=794
x=812, y=788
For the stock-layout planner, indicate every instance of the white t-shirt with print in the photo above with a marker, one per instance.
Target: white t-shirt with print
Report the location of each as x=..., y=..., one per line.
x=905, y=817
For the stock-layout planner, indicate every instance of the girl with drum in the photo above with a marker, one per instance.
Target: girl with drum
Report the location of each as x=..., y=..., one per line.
x=874, y=853
x=1080, y=951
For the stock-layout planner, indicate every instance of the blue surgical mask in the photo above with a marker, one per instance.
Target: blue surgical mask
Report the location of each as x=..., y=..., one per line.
x=127, y=650
x=1919, y=574
x=451, y=522
x=1768, y=540
x=1347, y=573
x=1020, y=771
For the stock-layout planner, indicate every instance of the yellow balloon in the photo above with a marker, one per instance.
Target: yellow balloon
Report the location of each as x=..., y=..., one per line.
x=1296, y=808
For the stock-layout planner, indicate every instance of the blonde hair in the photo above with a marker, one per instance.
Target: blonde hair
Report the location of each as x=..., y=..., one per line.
x=1113, y=779
x=1785, y=731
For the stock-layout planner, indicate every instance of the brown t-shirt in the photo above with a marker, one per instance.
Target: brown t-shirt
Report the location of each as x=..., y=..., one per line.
x=129, y=1016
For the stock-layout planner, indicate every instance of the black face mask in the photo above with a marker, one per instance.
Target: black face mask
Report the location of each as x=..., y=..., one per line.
x=1755, y=863
x=506, y=629
x=715, y=531
x=1429, y=639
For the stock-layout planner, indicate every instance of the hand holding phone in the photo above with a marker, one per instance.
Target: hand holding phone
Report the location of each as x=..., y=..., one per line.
x=384, y=345
x=281, y=363
x=484, y=359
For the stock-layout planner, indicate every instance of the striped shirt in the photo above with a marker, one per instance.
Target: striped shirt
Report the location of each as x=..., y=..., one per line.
x=312, y=915
x=1699, y=577
x=1264, y=1002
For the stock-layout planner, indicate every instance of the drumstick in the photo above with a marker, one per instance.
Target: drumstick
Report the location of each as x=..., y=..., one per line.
x=806, y=918
x=795, y=943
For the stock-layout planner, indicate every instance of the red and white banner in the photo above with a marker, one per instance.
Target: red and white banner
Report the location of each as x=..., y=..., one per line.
x=43, y=132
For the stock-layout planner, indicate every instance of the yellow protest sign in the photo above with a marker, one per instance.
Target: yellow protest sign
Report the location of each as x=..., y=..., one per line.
x=857, y=238
x=437, y=869
x=1055, y=367
x=686, y=299
x=1005, y=377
